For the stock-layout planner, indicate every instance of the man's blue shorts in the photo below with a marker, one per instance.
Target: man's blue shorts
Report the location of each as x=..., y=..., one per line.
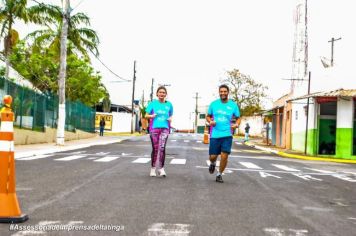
x=219, y=145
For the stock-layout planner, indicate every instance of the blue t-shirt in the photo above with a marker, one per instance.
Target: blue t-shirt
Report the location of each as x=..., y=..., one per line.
x=222, y=114
x=163, y=111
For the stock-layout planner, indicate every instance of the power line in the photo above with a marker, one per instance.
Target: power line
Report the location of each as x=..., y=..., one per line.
x=118, y=76
x=77, y=5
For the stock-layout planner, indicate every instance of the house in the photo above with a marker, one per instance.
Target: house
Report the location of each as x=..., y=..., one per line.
x=319, y=124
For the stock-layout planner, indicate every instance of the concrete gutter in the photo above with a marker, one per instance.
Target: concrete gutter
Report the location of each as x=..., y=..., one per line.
x=301, y=157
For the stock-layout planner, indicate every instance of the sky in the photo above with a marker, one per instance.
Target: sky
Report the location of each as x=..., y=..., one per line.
x=190, y=44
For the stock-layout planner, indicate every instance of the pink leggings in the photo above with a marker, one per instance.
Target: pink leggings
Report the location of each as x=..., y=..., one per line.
x=159, y=138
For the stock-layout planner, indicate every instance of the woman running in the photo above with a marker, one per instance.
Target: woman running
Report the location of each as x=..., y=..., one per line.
x=160, y=114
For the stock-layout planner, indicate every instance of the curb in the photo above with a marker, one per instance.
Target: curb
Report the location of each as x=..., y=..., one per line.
x=296, y=156
x=62, y=149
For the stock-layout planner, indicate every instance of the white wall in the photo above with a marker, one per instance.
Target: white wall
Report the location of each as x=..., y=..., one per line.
x=345, y=112
x=298, y=116
x=121, y=122
x=256, y=125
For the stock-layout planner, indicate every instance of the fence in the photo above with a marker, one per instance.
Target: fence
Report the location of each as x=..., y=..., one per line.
x=35, y=110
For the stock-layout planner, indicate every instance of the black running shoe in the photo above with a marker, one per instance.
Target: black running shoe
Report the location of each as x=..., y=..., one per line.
x=212, y=168
x=219, y=179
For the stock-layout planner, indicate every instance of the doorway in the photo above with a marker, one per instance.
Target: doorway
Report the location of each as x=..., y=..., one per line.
x=327, y=128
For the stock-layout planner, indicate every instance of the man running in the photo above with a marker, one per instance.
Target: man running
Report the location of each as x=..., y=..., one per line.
x=220, y=115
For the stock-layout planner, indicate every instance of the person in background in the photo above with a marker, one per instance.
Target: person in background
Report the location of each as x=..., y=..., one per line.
x=102, y=126
x=221, y=112
x=247, y=131
x=160, y=114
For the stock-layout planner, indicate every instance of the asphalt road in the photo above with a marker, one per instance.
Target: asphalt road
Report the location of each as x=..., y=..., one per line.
x=106, y=190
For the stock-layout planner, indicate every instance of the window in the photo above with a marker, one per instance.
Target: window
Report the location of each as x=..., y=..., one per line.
x=201, y=116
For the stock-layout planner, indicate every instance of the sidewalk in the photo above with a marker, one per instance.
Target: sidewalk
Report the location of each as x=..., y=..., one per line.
x=260, y=144
x=46, y=148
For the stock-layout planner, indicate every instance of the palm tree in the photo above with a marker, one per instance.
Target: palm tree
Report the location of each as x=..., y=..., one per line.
x=67, y=31
x=81, y=39
x=12, y=10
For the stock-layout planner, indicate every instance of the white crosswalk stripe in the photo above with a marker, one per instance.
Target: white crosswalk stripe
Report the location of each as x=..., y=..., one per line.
x=35, y=157
x=142, y=160
x=69, y=158
x=217, y=163
x=178, y=161
x=283, y=167
x=107, y=159
x=320, y=171
x=250, y=165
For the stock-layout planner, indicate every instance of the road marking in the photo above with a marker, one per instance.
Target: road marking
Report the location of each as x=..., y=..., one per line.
x=306, y=177
x=69, y=158
x=253, y=151
x=283, y=167
x=226, y=171
x=199, y=141
x=107, y=159
x=173, y=140
x=317, y=209
x=186, y=141
x=347, y=172
x=238, y=143
x=102, y=153
x=321, y=171
x=217, y=163
x=78, y=152
x=125, y=154
x=178, y=161
x=264, y=175
x=142, y=160
x=285, y=232
x=250, y=165
x=168, y=229
x=35, y=157
x=200, y=148
x=344, y=177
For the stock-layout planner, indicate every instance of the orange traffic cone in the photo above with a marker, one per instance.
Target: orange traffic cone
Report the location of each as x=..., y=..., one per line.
x=206, y=135
x=9, y=207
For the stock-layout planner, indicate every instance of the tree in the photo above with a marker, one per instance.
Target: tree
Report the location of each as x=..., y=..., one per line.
x=81, y=39
x=245, y=91
x=12, y=10
x=41, y=67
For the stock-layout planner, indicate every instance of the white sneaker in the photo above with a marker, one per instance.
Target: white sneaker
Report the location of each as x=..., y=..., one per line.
x=153, y=172
x=161, y=172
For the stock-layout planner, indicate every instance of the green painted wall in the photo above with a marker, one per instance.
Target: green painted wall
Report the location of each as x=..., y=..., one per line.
x=327, y=136
x=344, y=143
x=312, y=142
x=298, y=141
x=354, y=138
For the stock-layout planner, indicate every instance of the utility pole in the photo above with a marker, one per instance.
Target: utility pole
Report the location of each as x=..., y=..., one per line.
x=332, y=49
x=307, y=111
x=196, y=112
x=62, y=75
x=151, y=94
x=133, y=97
